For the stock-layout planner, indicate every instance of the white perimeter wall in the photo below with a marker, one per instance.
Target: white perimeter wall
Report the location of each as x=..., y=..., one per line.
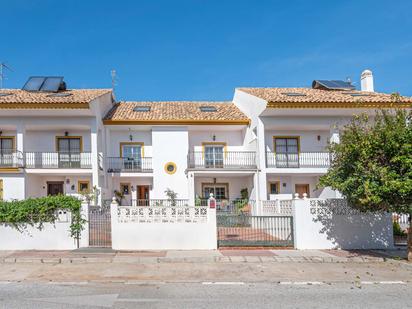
x=13, y=186
x=51, y=237
x=172, y=145
x=331, y=231
x=164, y=236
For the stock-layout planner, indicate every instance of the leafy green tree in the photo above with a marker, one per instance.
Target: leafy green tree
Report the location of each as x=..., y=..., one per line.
x=372, y=164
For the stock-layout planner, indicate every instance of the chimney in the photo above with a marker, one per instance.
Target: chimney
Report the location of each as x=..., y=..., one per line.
x=367, y=81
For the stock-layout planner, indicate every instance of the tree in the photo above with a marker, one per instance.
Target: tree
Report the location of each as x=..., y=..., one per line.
x=372, y=164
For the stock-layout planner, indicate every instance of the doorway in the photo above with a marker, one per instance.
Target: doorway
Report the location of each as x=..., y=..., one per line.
x=302, y=188
x=143, y=196
x=55, y=187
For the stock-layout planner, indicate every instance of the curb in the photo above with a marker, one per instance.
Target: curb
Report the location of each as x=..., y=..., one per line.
x=221, y=259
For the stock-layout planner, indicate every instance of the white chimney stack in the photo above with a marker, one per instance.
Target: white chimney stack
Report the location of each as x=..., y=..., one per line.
x=367, y=81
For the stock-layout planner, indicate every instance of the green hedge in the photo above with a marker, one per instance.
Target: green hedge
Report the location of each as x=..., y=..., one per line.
x=37, y=211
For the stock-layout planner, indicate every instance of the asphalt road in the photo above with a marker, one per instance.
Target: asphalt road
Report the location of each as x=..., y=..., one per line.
x=206, y=295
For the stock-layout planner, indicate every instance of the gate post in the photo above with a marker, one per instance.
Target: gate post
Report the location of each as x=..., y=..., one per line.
x=114, y=222
x=84, y=235
x=302, y=219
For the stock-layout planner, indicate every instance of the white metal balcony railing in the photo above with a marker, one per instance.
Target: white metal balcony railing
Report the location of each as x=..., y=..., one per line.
x=226, y=160
x=298, y=160
x=11, y=159
x=118, y=164
x=53, y=160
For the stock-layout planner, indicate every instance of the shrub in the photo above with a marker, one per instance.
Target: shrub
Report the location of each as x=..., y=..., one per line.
x=37, y=211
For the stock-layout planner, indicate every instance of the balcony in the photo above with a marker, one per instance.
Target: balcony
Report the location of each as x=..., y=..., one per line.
x=298, y=160
x=235, y=160
x=129, y=165
x=11, y=159
x=56, y=160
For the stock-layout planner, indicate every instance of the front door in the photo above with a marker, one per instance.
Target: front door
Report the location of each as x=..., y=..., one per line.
x=55, y=188
x=143, y=195
x=302, y=188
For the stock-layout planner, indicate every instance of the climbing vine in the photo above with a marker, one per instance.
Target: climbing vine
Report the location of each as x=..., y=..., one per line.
x=36, y=212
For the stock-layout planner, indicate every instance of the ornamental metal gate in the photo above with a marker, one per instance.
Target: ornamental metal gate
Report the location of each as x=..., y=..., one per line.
x=100, y=232
x=241, y=229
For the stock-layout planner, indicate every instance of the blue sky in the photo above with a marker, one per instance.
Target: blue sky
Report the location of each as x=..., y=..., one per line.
x=202, y=50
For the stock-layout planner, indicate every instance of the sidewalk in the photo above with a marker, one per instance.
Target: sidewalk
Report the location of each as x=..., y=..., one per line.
x=103, y=255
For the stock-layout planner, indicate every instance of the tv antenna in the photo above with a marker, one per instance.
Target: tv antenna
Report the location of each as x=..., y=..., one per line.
x=3, y=68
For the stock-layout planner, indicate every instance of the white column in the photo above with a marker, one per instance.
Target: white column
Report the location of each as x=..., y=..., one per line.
x=95, y=157
x=261, y=190
x=191, y=188
x=21, y=132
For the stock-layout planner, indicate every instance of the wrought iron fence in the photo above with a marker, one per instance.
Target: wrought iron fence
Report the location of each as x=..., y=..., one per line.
x=100, y=232
x=245, y=230
x=133, y=165
x=225, y=160
x=58, y=160
x=10, y=158
x=296, y=160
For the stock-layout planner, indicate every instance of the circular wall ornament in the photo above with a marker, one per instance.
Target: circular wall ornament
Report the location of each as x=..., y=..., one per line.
x=170, y=168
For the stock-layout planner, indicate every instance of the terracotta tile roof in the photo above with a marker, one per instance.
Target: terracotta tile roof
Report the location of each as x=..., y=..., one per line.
x=75, y=98
x=317, y=98
x=175, y=112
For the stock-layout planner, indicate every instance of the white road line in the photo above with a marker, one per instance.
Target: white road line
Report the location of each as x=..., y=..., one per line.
x=68, y=282
x=301, y=283
x=224, y=283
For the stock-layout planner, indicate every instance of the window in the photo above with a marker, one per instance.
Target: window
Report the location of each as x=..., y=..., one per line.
x=132, y=155
x=6, y=145
x=170, y=168
x=142, y=109
x=83, y=186
x=208, y=109
x=60, y=95
x=6, y=151
x=125, y=188
x=72, y=144
x=69, y=149
x=219, y=191
x=274, y=188
x=214, y=155
x=286, y=151
x=294, y=94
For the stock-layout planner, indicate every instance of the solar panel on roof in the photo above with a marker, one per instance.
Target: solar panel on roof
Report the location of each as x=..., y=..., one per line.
x=34, y=83
x=332, y=85
x=51, y=84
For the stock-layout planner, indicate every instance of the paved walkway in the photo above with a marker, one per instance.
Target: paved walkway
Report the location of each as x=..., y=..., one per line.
x=102, y=255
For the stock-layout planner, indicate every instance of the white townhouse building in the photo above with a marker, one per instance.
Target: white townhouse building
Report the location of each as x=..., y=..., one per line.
x=266, y=144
